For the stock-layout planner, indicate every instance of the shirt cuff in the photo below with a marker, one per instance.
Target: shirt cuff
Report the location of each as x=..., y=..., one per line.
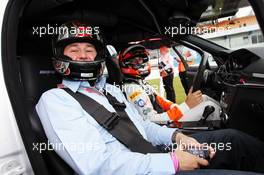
x=184, y=107
x=161, y=163
x=165, y=135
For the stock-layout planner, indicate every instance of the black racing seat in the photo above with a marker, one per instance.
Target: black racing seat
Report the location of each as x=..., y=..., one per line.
x=37, y=76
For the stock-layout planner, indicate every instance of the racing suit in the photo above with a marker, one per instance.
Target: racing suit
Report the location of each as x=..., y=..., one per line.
x=157, y=109
x=150, y=105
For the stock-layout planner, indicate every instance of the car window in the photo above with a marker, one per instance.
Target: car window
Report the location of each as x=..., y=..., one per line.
x=153, y=57
x=232, y=25
x=155, y=54
x=192, y=57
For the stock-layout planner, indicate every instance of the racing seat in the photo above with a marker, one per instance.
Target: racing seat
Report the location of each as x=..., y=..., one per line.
x=37, y=76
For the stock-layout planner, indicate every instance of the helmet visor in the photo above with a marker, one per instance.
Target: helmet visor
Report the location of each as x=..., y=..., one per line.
x=137, y=62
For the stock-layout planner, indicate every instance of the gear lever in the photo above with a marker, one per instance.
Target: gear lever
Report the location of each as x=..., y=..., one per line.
x=208, y=110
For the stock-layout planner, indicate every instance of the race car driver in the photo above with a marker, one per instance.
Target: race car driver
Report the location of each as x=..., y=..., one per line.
x=135, y=66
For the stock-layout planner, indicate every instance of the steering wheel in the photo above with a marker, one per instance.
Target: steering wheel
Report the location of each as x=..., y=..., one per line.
x=200, y=76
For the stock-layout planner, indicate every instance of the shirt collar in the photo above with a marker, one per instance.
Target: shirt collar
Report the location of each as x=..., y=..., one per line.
x=75, y=85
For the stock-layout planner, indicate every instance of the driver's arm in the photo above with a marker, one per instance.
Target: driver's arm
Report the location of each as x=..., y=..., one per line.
x=194, y=98
x=173, y=110
x=137, y=96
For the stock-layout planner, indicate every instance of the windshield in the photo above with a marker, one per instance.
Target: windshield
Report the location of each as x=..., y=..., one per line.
x=231, y=24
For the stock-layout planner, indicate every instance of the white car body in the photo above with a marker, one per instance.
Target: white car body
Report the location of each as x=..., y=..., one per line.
x=13, y=156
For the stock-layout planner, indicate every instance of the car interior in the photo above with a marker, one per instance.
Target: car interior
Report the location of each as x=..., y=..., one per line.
x=237, y=83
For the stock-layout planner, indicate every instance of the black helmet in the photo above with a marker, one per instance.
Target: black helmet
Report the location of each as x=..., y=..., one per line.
x=78, y=70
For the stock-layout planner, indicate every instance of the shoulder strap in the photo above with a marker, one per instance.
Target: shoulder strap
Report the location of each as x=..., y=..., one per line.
x=155, y=104
x=118, y=124
x=153, y=101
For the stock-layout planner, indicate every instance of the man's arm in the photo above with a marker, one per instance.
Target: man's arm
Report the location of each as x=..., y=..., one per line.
x=173, y=110
x=88, y=149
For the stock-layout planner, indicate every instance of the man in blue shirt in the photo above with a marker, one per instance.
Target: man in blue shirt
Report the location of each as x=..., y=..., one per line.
x=89, y=148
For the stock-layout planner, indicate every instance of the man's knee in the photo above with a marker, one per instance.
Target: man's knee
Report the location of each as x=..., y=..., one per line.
x=232, y=136
x=225, y=135
x=232, y=132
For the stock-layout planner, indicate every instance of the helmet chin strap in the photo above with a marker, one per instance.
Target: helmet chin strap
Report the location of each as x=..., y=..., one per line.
x=92, y=82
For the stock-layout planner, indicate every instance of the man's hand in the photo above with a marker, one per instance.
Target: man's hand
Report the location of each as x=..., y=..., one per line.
x=183, y=142
x=188, y=161
x=193, y=98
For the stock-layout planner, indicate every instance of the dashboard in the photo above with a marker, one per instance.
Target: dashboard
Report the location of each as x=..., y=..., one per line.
x=242, y=69
x=243, y=66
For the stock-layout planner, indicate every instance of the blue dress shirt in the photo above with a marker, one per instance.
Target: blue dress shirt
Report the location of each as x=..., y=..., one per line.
x=86, y=146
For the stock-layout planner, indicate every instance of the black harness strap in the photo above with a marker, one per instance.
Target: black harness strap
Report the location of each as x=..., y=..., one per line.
x=118, y=124
x=155, y=104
